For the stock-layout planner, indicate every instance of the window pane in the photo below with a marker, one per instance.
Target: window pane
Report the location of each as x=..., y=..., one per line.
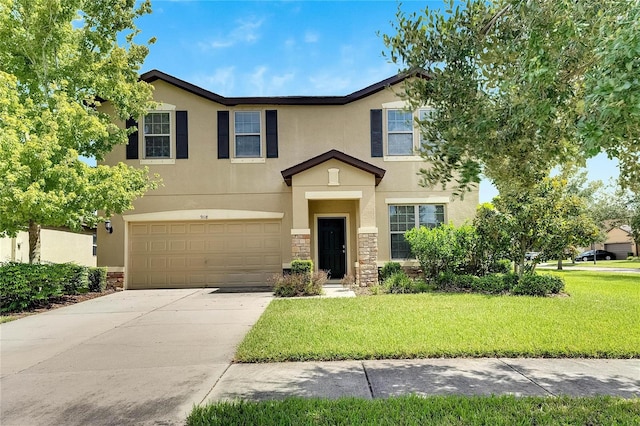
x=399, y=121
x=400, y=144
x=431, y=215
x=247, y=146
x=156, y=123
x=156, y=147
x=401, y=218
x=400, y=248
x=247, y=122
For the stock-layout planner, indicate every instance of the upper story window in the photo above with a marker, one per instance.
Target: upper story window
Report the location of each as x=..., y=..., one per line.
x=399, y=132
x=403, y=218
x=247, y=129
x=403, y=135
x=157, y=135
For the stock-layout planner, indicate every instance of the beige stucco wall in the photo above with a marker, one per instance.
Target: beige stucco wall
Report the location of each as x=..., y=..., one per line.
x=617, y=235
x=205, y=182
x=55, y=247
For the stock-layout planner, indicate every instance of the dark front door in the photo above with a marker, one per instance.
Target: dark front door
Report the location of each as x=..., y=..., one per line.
x=332, y=250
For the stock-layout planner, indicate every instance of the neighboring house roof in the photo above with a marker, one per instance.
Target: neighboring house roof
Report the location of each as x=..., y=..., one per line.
x=154, y=75
x=287, y=174
x=625, y=228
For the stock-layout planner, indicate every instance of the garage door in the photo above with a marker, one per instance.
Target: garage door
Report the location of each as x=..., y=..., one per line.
x=199, y=254
x=620, y=249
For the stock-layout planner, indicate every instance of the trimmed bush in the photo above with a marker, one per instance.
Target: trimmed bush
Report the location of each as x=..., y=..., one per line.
x=97, y=279
x=502, y=266
x=73, y=279
x=22, y=285
x=299, y=266
x=389, y=269
x=538, y=285
x=491, y=284
x=299, y=284
x=400, y=283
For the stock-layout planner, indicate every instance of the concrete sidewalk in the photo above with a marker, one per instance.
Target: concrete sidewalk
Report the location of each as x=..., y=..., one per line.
x=386, y=378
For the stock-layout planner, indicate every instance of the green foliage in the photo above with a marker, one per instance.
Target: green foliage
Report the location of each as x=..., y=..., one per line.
x=502, y=266
x=304, y=267
x=445, y=248
x=400, y=283
x=299, y=284
x=58, y=60
x=97, y=279
x=24, y=285
x=389, y=269
x=509, y=81
x=538, y=285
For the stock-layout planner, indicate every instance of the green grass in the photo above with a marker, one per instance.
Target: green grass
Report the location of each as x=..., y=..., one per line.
x=627, y=263
x=413, y=410
x=7, y=318
x=599, y=319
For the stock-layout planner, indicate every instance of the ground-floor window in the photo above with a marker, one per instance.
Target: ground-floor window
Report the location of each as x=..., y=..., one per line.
x=404, y=218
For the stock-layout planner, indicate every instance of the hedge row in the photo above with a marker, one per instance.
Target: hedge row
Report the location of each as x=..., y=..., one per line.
x=23, y=285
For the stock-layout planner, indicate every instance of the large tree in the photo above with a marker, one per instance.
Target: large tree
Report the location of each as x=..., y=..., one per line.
x=548, y=218
x=519, y=87
x=58, y=60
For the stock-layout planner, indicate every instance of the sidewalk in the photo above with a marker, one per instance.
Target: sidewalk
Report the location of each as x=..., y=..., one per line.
x=386, y=378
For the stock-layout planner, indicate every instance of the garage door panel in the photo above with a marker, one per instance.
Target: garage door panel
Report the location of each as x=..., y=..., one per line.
x=188, y=254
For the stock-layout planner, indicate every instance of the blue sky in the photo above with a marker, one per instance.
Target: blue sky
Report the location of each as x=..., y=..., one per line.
x=268, y=48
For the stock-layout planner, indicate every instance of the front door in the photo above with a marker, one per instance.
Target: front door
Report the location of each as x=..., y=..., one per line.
x=332, y=250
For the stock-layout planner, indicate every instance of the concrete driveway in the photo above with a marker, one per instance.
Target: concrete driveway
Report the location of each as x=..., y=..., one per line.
x=143, y=357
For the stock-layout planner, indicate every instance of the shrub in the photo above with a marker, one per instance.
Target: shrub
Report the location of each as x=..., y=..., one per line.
x=22, y=285
x=444, y=248
x=304, y=267
x=398, y=283
x=510, y=280
x=450, y=281
x=389, y=269
x=502, y=266
x=73, y=279
x=492, y=284
x=538, y=285
x=299, y=284
x=97, y=279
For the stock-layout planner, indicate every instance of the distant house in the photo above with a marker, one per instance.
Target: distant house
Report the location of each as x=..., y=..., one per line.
x=249, y=184
x=620, y=241
x=56, y=246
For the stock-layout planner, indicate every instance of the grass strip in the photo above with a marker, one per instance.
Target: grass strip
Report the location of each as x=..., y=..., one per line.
x=600, y=318
x=414, y=410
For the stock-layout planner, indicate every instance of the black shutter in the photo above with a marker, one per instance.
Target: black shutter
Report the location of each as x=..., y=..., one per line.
x=182, y=135
x=376, y=133
x=272, y=133
x=223, y=134
x=132, y=146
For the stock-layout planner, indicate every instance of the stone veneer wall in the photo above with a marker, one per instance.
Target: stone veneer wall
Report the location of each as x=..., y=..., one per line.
x=115, y=279
x=301, y=246
x=367, y=259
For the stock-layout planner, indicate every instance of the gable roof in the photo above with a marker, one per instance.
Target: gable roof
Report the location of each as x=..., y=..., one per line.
x=287, y=174
x=154, y=75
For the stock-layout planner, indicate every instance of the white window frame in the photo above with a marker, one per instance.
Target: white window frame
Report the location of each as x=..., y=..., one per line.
x=417, y=223
x=389, y=132
x=260, y=134
x=160, y=108
x=416, y=135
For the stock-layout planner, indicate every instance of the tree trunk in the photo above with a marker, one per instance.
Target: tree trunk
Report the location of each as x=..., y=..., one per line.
x=559, y=264
x=34, y=242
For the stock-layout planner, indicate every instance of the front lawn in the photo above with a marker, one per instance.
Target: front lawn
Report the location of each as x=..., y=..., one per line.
x=599, y=319
x=627, y=264
x=413, y=410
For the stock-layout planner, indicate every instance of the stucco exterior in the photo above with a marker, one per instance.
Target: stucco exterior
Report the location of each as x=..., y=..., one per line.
x=56, y=246
x=204, y=186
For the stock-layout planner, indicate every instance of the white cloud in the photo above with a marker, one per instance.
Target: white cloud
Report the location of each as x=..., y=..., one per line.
x=222, y=81
x=246, y=31
x=265, y=83
x=311, y=37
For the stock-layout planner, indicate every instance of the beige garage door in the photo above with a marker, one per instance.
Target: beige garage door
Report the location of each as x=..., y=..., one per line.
x=620, y=249
x=203, y=254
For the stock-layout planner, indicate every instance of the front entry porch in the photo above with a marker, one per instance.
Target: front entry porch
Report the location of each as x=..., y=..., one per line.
x=334, y=220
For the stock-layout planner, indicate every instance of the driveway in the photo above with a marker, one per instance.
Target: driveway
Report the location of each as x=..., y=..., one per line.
x=143, y=357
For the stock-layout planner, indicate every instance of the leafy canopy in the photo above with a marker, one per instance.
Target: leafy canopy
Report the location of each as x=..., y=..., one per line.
x=519, y=87
x=58, y=60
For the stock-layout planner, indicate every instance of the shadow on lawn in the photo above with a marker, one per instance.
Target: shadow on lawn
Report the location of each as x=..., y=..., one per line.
x=387, y=378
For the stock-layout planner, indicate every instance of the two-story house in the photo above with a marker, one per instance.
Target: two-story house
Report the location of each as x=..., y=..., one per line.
x=251, y=183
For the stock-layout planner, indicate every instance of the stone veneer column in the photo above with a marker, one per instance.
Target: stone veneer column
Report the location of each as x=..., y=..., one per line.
x=301, y=246
x=367, y=259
